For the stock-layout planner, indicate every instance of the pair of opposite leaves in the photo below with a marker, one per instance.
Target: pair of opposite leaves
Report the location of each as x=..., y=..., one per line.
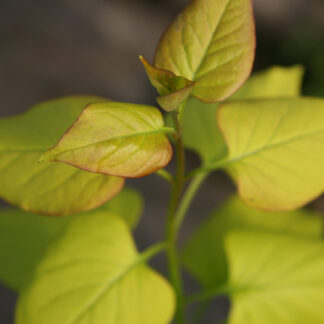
x=211, y=43
x=266, y=262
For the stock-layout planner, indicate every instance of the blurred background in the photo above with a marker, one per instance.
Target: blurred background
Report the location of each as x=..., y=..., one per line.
x=52, y=48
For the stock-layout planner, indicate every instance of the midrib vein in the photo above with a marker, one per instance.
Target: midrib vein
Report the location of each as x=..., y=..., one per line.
x=226, y=162
x=110, y=283
x=210, y=41
x=163, y=130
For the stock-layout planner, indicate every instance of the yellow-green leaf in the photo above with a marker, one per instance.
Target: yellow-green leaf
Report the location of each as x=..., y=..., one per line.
x=25, y=237
x=276, y=154
x=48, y=188
x=95, y=275
x=274, y=82
x=200, y=130
x=213, y=43
x=128, y=204
x=275, y=279
x=114, y=138
x=204, y=253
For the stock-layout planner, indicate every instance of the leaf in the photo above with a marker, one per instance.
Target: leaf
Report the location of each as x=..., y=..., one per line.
x=276, y=152
x=128, y=204
x=275, y=279
x=274, y=82
x=25, y=237
x=174, y=90
x=173, y=100
x=200, y=130
x=118, y=139
x=48, y=188
x=204, y=254
x=212, y=43
x=95, y=275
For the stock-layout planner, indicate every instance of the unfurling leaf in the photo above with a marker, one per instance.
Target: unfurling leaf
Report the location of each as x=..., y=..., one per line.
x=48, y=188
x=174, y=90
x=200, y=130
x=94, y=275
x=276, y=154
x=204, y=254
x=118, y=139
x=25, y=237
x=275, y=279
x=213, y=43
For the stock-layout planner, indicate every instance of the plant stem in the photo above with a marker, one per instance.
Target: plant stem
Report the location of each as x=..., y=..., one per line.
x=176, y=214
x=187, y=198
x=152, y=251
x=172, y=233
x=207, y=294
x=165, y=175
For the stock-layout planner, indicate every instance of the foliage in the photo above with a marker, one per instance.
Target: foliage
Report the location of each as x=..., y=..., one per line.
x=70, y=156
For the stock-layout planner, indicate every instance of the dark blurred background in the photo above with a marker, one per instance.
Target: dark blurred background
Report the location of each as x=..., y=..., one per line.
x=51, y=48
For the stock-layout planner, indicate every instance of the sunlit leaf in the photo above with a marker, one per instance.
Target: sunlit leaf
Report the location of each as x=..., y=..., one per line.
x=25, y=237
x=275, y=279
x=204, y=254
x=274, y=82
x=94, y=275
x=211, y=42
x=113, y=138
x=48, y=188
x=200, y=130
x=276, y=154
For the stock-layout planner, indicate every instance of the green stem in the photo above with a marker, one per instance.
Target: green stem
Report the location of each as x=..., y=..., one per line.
x=153, y=250
x=165, y=175
x=172, y=233
x=208, y=168
x=207, y=295
x=188, y=197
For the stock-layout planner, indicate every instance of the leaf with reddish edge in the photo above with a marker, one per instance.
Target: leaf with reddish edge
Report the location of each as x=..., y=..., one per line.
x=48, y=188
x=213, y=43
x=275, y=150
x=119, y=139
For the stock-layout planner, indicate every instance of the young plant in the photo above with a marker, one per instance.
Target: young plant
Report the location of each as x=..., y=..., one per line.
x=67, y=157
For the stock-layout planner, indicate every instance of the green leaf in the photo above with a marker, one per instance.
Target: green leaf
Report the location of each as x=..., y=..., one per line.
x=114, y=138
x=275, y=279
x=200, y=130
x=48, y=188
x=25, y=238
x=204, y=254
x=213, y=43
x=274, y=82
x=128, y=204
x=94, y=275
x=276, y=154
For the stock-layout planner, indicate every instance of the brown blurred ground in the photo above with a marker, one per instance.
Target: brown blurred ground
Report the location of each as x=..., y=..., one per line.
x=51, y=48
